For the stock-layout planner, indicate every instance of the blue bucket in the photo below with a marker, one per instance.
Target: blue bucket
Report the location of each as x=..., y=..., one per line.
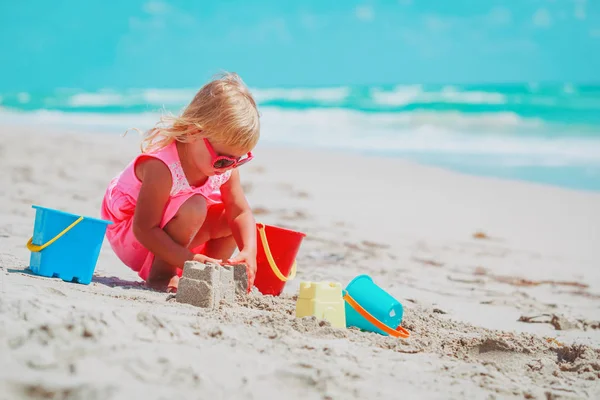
x=370, y=308
x=65, y=245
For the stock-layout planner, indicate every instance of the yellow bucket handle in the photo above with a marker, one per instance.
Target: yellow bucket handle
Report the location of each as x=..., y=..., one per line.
x=36, y=248
x=398, y=332
x=272, y=264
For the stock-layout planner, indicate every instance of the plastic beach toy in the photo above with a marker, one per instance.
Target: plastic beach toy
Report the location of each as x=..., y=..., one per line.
x=65, y=245
x=370, y=308
x=277, y=249
x=322, y=300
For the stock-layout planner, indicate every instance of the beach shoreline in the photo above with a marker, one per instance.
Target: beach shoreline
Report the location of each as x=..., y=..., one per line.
x=499, y=281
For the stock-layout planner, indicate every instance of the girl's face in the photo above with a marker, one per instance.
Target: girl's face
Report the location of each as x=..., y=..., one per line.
x=216, y=159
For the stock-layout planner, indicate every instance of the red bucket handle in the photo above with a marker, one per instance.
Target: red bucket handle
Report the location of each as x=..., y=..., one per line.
x=272, y=264
x=398, y=332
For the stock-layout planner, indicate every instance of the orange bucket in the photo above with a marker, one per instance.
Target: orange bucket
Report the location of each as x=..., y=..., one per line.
x=277, y=249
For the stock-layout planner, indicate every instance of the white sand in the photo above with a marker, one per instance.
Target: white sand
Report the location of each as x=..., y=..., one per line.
x=410, y=227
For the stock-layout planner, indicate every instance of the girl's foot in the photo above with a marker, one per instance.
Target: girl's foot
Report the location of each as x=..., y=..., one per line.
x=173, y=284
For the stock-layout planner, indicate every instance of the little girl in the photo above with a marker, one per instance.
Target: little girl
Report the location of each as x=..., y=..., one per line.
x=181, y=198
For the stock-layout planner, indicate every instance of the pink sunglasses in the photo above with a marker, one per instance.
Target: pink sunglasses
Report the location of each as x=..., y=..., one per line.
x=225, y=162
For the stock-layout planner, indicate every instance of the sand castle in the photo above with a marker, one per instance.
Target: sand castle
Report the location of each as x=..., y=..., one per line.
x=322, y=300
x=207, y=285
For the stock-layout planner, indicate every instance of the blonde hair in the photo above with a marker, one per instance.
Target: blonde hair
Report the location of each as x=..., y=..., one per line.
x=223, y=111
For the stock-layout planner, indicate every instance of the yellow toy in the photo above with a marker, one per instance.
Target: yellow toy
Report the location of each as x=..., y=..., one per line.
x=322, y=300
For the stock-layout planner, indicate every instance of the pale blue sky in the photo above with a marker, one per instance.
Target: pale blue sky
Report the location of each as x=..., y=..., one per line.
x=152, y=43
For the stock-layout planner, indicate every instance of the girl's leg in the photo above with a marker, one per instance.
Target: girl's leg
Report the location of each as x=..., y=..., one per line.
x=182, y=228
x=216, y=233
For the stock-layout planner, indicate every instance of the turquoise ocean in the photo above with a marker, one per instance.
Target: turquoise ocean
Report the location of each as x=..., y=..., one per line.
x=543, y=133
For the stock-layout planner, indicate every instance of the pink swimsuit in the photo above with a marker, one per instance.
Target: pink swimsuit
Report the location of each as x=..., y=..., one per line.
x=120, y=198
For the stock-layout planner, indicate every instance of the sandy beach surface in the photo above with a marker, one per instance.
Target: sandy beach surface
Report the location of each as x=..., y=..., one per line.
x=500, y=282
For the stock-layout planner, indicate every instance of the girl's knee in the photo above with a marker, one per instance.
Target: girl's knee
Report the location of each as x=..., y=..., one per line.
x=193, y=211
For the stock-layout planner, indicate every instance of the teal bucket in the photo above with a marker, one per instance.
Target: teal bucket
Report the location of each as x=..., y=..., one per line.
x=65, y=245
x=370, y=308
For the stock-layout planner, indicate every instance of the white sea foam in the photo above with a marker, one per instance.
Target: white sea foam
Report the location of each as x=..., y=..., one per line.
x=146, y=97
x=500, y=139
x=400, y=96
x=23, y=97
x=404, y=95
x=168, y=96
x=374, y=99
x=87, y=121
x=473, y=97
x=180, y=97
x=98, y=100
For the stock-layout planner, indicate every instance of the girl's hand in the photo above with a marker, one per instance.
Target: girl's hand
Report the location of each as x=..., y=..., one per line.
x=203, y=259
x=248, y=258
